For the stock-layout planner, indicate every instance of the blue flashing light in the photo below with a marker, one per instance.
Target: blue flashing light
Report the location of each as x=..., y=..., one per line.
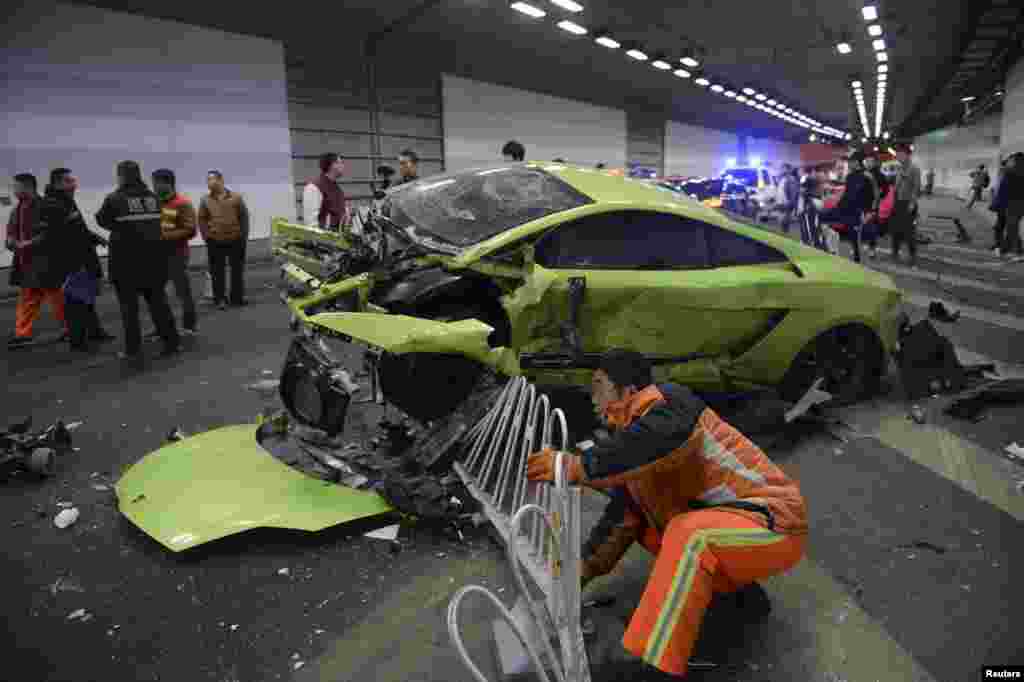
x=730, y=162
x=755, y=161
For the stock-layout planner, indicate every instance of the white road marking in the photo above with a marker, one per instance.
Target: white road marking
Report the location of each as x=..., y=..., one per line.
x=1007, y=321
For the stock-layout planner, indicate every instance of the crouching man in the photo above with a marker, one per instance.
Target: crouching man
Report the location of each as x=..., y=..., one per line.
x=707, y=502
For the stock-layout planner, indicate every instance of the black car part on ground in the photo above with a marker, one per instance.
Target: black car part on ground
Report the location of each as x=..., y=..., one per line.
x=37, y=452
x=972, y=406
x=928, y=362
x=315, y=388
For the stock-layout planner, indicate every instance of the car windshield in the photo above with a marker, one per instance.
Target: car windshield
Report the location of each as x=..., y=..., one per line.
x=471, y=206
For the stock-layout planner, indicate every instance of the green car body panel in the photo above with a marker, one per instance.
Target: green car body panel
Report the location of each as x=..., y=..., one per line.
x=723, y=312
x=223, y=482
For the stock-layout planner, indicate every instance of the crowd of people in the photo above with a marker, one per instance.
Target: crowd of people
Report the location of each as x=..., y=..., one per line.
x=56, y=262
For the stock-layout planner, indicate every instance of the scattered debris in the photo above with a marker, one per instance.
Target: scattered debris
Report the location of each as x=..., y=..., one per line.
x=938, y=311
x=177, y=434
x=1004, y=392
x=36, y=452
x=75, y=615
x=65, y=505
x=65, y=585
x=318, y=631
x=100, y=487
x=923, y=544
x=385, y=533
x=1015, y=451
x=66, y=518
x=283, y=571
x=234, y=627
x=965, y=588
x=814, y=396
x=918, y=414
x=298, y=664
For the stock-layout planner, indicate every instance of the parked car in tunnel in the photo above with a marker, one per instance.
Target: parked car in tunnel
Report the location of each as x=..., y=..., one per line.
x=537, y=269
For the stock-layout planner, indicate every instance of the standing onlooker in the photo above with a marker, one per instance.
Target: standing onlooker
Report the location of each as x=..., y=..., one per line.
x=1014, y=192
x=908, y=190
x=929, y=182
x=979, y=182
x=177, y=227
x=790, y=191
x=323, y=201
x=998, y=206
x=138, y=259
x=79, y=262
x=810, y=199
x=513, y=152
x=856, y=202
x=224, y=223
x=872, y=229
x=33, y=245
x=408, y=166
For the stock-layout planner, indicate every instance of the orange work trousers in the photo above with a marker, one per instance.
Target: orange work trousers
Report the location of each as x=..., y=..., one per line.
x=30, y=301
x=700, y=553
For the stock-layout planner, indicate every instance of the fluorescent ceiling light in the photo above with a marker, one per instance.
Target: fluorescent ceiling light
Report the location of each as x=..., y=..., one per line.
x=883, y=77
x=717, y=88
x=999, y=93
x=878, y=44
x=528, y=9
x=870, y=12
x=749, y=91
x=760, y=97
x=741, y=98
x=882, y=56
x=690, y=61
x=569, y=26
x=661, y=64
x=682, y=73
x=609, y=42
x=856, y=84
x=813, y=138
x=637, y=55
x=969, y=98
x=849, y=136
x=703, y=82
x=883, y=68
x=730, y=94
x=780, y=106
x=568, y=5
x=771, y=103
x=844, y=48
x=875, y=30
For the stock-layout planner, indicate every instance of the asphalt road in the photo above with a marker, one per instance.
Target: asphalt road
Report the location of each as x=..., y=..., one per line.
x=348, y=608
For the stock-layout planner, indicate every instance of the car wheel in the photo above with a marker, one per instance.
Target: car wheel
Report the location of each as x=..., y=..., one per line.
x=850, y=359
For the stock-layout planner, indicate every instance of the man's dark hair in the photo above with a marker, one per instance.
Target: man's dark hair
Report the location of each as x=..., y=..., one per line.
x=215, y=172
x=327, y=160
x=57, y=175
x=27, y=179
x=130, y=173
x=627, y=368
x=514, y=149
x=410, y=154
x=164, y=175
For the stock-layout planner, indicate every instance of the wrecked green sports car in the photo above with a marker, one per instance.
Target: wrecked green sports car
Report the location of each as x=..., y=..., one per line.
x=529, y=269
x=536, y=269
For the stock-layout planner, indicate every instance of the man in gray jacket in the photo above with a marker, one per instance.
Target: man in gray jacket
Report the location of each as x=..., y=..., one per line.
x=903, y=220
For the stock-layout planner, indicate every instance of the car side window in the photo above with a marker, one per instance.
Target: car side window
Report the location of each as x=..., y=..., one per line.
x=728, y=249
x=626, y=240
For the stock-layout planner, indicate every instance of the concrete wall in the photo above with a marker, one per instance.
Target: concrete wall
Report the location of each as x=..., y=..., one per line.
x=774, y=152
x=480, y=117
x=693, y=150
x=85, y=88
x=955, y=151
x=1012, y=139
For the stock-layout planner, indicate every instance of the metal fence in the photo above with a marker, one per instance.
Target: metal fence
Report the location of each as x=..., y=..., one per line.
x=540, y=525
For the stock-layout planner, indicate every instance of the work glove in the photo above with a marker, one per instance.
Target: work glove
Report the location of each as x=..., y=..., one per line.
x=540, y=466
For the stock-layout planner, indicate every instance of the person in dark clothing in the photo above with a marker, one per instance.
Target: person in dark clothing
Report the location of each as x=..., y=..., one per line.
x=177, y=227
x=1013, y=182
x=513, y=151
x=903, y=221
x=979, y=182
x=873, y=228
x=79, y=265
x=790, y=182
x=857, y=200
x=28, y=237
x=408, y=166
x=138, y=259
x=998, y=206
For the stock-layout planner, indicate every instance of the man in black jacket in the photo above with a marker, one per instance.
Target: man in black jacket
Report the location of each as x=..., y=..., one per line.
x=77, y=249
x=138, y=259
x=857, y=200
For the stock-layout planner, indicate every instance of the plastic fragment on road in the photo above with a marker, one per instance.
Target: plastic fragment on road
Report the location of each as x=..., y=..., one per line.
x=814, y=396
x=918, y=414
x=1015, y=451
x=386, y=533
x=283, y=571
x=66, y=518
x=75, y=615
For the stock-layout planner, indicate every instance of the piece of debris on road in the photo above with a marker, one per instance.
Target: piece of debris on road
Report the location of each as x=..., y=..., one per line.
x=66, y=518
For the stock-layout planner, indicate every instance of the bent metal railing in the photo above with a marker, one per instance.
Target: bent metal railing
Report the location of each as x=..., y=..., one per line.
x=547, y=543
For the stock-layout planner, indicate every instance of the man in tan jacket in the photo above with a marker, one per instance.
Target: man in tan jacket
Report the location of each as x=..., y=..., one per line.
x=224, y=223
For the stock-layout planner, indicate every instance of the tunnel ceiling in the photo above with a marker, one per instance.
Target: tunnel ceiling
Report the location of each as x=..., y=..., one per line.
x=784, y=48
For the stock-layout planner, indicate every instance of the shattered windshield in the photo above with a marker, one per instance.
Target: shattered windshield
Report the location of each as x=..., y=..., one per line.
x=468, y=207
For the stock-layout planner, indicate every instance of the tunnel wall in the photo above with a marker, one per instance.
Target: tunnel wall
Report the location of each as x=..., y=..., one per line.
x=953, y=152
x=86, y=88
x=695, y=151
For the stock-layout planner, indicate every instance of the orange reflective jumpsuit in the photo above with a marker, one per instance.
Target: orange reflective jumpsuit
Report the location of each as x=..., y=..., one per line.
x=712, y=507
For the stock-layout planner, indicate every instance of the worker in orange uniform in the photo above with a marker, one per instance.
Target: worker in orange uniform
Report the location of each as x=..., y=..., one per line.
x=694, y=491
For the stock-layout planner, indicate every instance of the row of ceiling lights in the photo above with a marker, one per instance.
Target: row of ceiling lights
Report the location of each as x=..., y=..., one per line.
x=875, y=32
x=748, y=96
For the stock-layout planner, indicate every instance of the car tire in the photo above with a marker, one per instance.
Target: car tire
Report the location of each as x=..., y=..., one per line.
x=850, y=358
